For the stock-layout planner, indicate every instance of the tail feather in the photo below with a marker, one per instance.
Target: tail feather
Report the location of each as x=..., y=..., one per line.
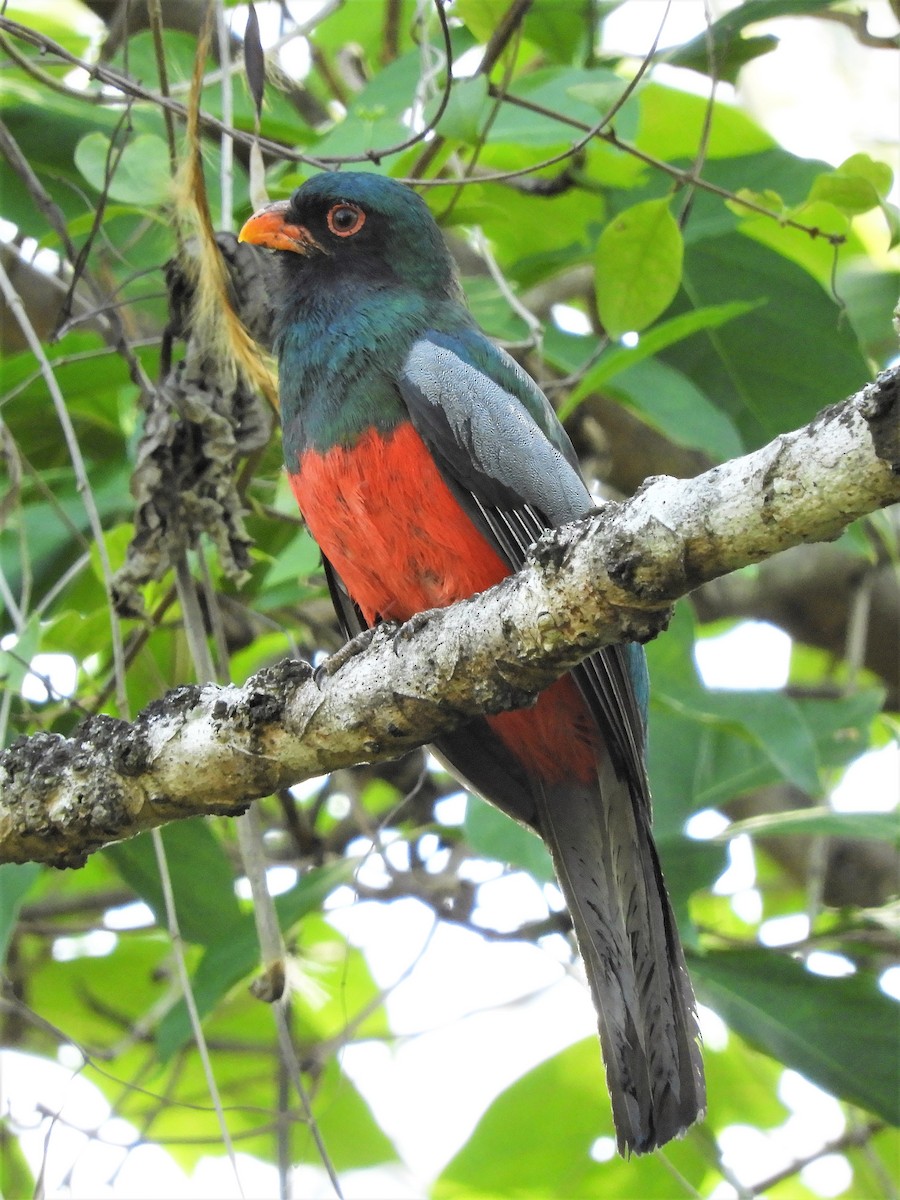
x=609, y=872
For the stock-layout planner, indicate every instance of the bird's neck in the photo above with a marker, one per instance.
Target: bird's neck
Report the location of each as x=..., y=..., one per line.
x=341, y=348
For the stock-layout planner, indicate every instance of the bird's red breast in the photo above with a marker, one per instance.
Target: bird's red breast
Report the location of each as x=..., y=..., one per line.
x=400, y=541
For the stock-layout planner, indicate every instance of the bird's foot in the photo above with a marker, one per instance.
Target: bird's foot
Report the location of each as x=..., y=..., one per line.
x=411, y=627
x=356, y=645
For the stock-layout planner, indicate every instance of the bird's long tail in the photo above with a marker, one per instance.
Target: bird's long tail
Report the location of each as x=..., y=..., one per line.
x=609, y=872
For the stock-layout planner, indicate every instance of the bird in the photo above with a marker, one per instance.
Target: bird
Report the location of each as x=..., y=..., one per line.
x=426, y=462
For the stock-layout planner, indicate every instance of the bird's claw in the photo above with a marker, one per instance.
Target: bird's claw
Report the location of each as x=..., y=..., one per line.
x=411, y=627
x=350, y=649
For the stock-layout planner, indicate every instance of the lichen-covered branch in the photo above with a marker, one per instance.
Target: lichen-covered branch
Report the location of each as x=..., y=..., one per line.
x=607, y=578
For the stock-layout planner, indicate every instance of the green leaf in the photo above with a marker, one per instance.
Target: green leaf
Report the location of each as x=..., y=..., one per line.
x=672, y=122
x=16, y=1178
x=795, y=1016
x=531, y=243
x=813, y=252
x=767, y=199
x=340, y=985
x=725, y=57
x=776, y=724
x=345, y=1124
x=666, y=333
x=94, y=1000
x=638, y=264
x=852, y=194
x=142, y=173
x=842, y=725
x=375, y=115
x=689, y=866
x=873, y=1162
x=781, y=363
x=64, y=21
x=361, y=23
x=492, y=834
x=174, y=1098
x=858, y=185
x=16, y=881
x=561, y=89
x=600, y=94
x=492, y=311
x=535, y=1142
x=722, y=49
x=481, y=16
x=563, y=31
x=206, y=914
x=15, y=662
x=742, y=1085
x=891, y=215
x=707, y=746
x=28, y=111
x=862, y=166
x=878, y=173
x=706, y=749
x=79, y=226
x=466, y=110
x=875, y=826
x=870, y=295
x=231, y=959
x=296, y=561
x=516, y=1151
x=670, y=402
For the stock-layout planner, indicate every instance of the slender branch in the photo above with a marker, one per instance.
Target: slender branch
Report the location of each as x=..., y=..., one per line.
x=858, y=24
x=154, y=10
x=211, y=124
x=54, y=217
x=850, y=1140
x=505, y=29
x=82, y=479
x=684, y=177
x=608, y=578
x=129, y=87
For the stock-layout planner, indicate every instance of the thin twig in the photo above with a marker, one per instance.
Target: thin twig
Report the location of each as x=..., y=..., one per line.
x=54, y=217
x=187, y=992
x=154, y=10
x=703, y=146
x=685, y=177
x=44, y=78
x=509, y=25
x=81, y=474
x=847, y=1141
x=278, y=150
x=858, y=24
x=289, y=1057
x=226, y=143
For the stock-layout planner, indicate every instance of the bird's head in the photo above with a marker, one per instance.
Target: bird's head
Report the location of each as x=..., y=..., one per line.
x=359, y=227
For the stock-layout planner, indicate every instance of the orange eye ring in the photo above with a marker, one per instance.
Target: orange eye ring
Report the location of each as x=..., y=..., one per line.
x=345, y=219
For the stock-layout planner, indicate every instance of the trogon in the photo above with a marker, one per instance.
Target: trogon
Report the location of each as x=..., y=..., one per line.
x=425, y=462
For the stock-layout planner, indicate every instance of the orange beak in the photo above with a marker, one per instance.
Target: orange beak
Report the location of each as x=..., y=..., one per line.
x=269, y=228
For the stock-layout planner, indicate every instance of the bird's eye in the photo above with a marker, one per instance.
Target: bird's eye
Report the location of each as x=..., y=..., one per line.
x=345, y=219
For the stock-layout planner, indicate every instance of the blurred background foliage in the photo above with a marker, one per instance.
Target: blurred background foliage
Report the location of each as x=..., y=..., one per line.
x=685, y=288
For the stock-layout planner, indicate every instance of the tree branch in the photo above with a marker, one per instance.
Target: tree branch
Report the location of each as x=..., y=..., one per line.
x=608, y=578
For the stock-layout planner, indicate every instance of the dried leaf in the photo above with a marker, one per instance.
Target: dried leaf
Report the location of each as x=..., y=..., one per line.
x=254, y=60
x=201, y=420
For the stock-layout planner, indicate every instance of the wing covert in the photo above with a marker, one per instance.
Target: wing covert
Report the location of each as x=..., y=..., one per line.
x=491, y=439
x=513, y=469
